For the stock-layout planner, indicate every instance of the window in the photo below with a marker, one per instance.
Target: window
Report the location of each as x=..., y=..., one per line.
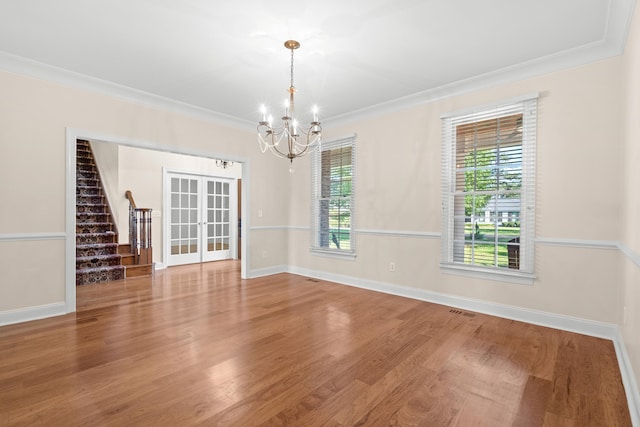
x=488, y=188
x=333, y=169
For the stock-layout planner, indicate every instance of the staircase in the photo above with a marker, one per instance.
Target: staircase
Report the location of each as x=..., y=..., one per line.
x=97, y=257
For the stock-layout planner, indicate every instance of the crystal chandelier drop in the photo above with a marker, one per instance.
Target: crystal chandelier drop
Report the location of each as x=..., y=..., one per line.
x=289, y=139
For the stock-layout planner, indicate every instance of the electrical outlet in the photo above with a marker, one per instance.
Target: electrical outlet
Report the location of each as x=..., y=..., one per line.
x=259, y=213
x=392, y=266
x=264, y=254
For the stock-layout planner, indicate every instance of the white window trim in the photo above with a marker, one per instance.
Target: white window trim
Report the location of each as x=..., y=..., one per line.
x=449, y=122
x=346, y=141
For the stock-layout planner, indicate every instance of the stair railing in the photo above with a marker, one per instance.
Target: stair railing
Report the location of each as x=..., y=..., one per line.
x=139, y=231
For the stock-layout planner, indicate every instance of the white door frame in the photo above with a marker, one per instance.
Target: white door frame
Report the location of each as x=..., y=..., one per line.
x=203, y=178
x=73, y=134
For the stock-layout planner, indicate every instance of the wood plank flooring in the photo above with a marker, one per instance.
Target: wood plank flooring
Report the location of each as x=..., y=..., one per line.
x=196, y=345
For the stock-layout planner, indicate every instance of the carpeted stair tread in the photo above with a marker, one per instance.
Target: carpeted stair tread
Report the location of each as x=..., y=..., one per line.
x=84, y=200
x=81, y=204
x=94, y=227
x=85, y=238
x=101, y=269
x=88, y=258
x=85, y=217
x=97, y=224
x=96, y=262
x=95, y=212
x=81, y=188
x=96, y=249
x=96, y=245
x=99, y=275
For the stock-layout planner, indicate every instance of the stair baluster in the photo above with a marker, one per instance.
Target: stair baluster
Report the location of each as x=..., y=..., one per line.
x=144, y=218
x=140, y=232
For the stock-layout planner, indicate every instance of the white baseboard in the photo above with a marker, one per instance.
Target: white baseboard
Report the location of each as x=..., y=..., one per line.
x=32, y=313
x=557, y=321
x=551, y=320
x=628, y=379
x=268, y=271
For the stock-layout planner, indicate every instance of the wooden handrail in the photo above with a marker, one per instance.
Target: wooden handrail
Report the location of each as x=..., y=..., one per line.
x=129, y=196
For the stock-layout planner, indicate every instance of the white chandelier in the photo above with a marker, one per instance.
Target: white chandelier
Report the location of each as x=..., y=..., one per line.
x=289, y=139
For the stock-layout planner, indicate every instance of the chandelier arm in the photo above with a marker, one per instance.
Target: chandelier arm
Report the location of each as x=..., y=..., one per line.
x=277, y=152
x=262, y=143
x=313, y=134
x=276, y=143
x=310, y=146
x=265, y=133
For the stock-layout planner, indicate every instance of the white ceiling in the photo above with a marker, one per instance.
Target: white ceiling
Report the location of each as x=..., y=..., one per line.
x=357, y=57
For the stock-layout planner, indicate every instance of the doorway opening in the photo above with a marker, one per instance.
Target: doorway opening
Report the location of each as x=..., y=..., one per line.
x=235, y=245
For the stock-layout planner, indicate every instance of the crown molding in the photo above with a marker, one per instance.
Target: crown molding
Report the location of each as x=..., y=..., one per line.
x=26, y=67
x=576, y=57
x=620, y=13
x=619, y=16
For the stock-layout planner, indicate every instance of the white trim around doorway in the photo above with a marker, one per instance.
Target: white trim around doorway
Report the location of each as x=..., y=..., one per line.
x=72, y=135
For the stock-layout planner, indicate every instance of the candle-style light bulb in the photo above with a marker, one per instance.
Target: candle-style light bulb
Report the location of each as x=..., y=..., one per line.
x=315, y=113
x=286, y=108
x=263, y=110
x=270, y=120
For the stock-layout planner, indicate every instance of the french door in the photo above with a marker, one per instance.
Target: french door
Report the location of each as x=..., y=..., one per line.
x=201, y=211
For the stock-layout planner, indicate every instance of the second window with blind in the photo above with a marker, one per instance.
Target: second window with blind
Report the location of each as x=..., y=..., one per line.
x=488, y=188
x=333, y=173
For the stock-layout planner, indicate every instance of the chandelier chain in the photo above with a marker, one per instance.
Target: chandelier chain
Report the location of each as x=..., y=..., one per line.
x=291, y=68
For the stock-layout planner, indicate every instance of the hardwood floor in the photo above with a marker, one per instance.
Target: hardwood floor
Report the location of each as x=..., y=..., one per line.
x=196, y=345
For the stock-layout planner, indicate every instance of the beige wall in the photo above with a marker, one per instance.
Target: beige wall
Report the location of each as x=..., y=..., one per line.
x=107, y=161
x=630, y=324
x=35, y=115
x=32, y=273
x=577, y=192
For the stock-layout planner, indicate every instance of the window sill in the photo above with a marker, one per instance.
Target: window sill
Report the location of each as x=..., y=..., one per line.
x=519, y=278
x=332, y=253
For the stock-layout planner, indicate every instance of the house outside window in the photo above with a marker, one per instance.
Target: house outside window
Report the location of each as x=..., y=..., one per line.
x=488, y=189
x=333, y=172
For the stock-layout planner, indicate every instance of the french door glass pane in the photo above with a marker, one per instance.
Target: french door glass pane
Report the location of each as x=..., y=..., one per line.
x=217, y=214
x=184, y=216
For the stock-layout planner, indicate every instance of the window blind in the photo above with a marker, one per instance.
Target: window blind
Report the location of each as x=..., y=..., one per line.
x=488, y=188
x=333, y=171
